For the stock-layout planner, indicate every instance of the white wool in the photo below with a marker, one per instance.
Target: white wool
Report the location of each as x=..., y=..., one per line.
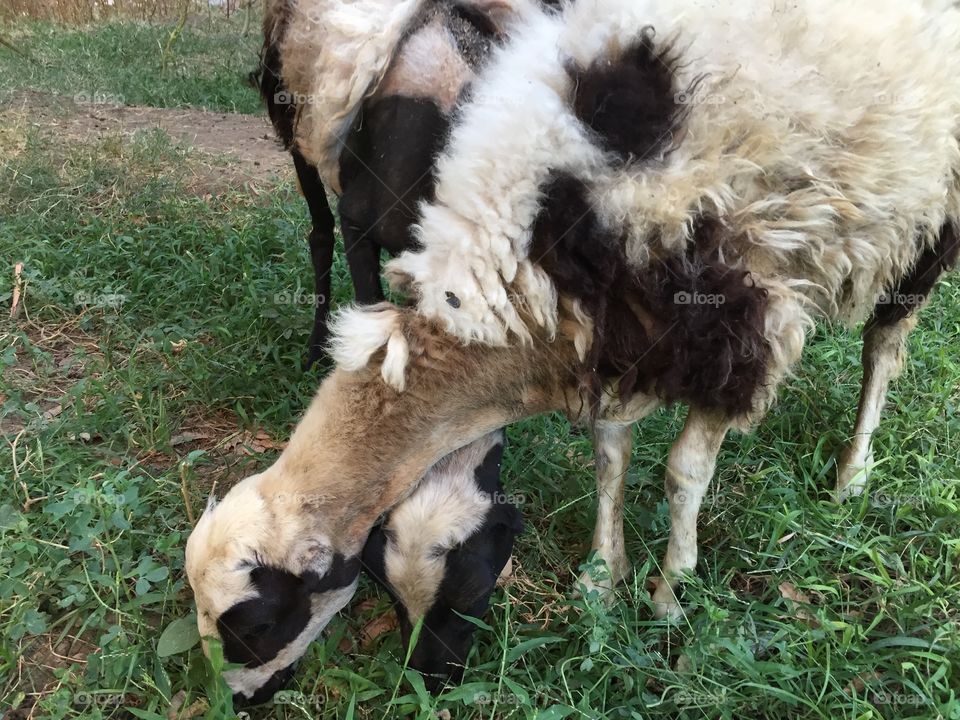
x=393, y=370
x=358, y=332
x=334, y=54
x=500, y=153
x=823, y=134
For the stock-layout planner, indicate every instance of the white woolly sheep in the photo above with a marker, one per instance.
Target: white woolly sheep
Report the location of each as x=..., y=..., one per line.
x=645, y=201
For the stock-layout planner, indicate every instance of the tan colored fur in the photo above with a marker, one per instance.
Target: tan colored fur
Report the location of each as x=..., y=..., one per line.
x=884, y=350
x=445, y=510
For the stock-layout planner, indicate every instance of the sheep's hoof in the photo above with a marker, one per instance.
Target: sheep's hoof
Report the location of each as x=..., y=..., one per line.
x=602, y=579
x=667, y=610
x=851, y=479
x=665, y=603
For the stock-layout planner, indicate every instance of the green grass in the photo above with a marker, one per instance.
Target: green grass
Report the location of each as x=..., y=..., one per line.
x=121, y=62
x=151, y=312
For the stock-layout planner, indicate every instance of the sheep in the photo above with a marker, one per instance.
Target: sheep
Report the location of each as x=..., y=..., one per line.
x=644, y=202
x=440, y=552
x=647, y=179
x=361, y=95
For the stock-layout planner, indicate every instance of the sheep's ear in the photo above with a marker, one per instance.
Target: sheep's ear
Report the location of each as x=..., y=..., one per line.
x=487, y=473
x=490, y=467
x=340, y=573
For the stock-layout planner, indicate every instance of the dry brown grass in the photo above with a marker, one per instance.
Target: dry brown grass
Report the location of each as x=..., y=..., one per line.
x=82, y=12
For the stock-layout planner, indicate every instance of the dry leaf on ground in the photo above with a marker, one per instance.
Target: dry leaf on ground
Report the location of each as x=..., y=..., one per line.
x=796, y=600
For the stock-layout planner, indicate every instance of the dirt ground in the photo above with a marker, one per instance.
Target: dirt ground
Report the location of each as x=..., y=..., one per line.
x=245, y=142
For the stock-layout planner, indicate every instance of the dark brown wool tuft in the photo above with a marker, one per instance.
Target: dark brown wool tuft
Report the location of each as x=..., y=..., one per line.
x=268, y=78
x=913, y=289
x=688, y=328
x=631, y=101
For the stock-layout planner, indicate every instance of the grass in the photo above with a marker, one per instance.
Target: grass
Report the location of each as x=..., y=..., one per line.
x=157, y=351
x=122, y=62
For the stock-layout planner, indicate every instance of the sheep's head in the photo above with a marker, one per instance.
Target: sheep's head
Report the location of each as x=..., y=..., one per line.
x=439, y=554
x=266, y=580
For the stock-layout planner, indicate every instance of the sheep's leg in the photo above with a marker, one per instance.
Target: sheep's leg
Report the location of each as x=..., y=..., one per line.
x=690, y=466
x=884, y=347
x=363, y=257
x=321, y=241
x=612, y=443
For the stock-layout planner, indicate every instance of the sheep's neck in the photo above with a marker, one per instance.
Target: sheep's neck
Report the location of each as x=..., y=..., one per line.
x=364, y=446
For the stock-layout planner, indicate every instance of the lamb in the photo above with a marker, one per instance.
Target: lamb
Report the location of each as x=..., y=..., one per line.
x=440, y=552
x=361, y=95
x=644, y=202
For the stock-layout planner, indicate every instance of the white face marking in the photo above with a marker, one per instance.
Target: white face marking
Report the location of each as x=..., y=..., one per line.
x=445, y=510
x=219, y=546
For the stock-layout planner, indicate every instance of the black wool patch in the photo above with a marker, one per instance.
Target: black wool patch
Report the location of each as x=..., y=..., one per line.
x=687, y=328
x=914, y=288
x=387, y=168
x=256, y=630
x=630, y=102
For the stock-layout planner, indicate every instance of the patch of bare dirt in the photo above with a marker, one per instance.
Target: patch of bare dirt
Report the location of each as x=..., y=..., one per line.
x=246, y=143
x=41, y=663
